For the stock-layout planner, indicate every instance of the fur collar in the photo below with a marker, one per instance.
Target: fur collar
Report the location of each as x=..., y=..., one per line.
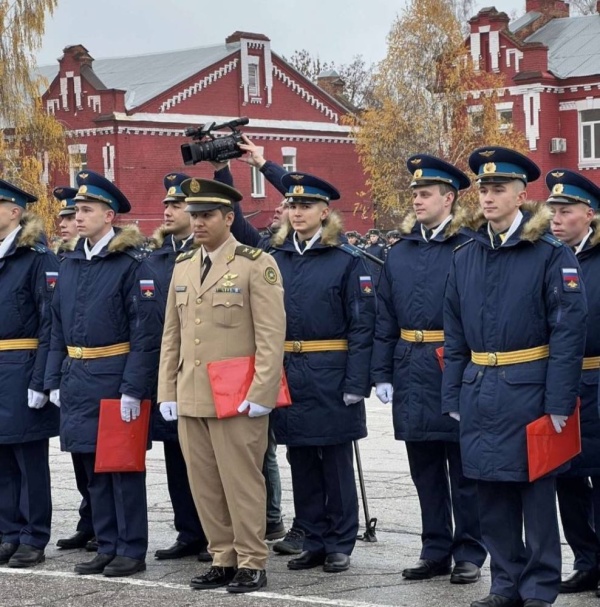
x=66, y=246
x=32, y=230
x=332, y=230
x=126, y=237
x=158, y=238
x=535, y=226
x=459, y=218
x=595, y=237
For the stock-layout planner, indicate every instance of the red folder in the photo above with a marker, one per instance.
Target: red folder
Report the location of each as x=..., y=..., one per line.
x=230, y=381
x=121, y=446
x=439, y=352
x=546, y=449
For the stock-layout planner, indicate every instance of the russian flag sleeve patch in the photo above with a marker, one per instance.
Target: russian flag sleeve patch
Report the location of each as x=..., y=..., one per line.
x=570, y=280
x=147, y=289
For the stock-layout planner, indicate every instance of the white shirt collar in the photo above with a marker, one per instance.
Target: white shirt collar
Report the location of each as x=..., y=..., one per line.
x=181, y=244
x=8, y=241
x=309, y=243
x=580, y=246
x=513, y=228
x=437, y=230
x=213, y=254
x=89, y=253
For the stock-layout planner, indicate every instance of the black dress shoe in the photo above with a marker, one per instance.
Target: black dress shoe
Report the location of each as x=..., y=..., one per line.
x=6, y=551
x=204, y=556
x=122, y=566
x=580, y=581
x=78, y=540
x=496, y=600
x=92, y=545
x=336, y=562
x=536, y=603
x=96, y=565
x=465, y=572
x=179, y=550
x=425, y=569
x=215, y=577
x=307, y=560
x=247, y=580
x=26, y=556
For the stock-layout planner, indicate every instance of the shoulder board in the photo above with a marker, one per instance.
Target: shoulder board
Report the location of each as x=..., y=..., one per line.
x=40, y=248
x=350, y=249
x=551, y=240
x=249, y=252
x=135, y=254
x=460, y=246
x=184, y=256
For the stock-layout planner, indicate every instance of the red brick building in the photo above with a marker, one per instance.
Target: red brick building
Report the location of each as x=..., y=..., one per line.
x=125, y=118
x=552, y=66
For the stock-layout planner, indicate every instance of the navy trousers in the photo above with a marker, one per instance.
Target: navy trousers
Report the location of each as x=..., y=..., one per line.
x=325, y=499
x=25, y=498
x=579, y=506
x=85, y=507
x=119, y=510
x=187, y=522
x=529, y=570
x=443, y=490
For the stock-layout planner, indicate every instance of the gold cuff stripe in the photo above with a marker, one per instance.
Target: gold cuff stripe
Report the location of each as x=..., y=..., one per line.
x=591, y=362
x=324, y=345
x=418, y=336
x=19, y=344
x=102, y=352
x=497, y=359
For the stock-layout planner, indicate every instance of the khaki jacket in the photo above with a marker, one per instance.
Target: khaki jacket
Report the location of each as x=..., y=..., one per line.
x=237, y=311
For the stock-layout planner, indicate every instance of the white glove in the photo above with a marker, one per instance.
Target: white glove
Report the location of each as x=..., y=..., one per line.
x=558, y=421
x=384, y=392
x=455, y=415
x=36, y=400
x=168, y=410
x=255, y=410
x=130, y=408
x=55, y=397
x=351, y=399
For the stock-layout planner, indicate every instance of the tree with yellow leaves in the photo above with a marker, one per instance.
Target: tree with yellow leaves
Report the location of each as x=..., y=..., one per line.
x=423, y=103
x=31, y=141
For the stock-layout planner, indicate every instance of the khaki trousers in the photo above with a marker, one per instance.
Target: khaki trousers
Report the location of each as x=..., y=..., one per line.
x=224, y=459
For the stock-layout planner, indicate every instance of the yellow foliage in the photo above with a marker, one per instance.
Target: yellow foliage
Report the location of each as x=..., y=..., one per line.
x=30, y=139
x=423, y=90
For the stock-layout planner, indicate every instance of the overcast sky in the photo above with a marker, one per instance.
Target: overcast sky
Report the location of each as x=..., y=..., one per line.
x=335, y=30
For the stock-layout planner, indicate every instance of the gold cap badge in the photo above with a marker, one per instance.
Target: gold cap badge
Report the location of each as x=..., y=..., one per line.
x=489, y=167
x=171, y=177
x=63, y=204
x=418, y=174
x=487, y=153
x=558, y=188
x=296, y=177
x=83, y=175
x=298, y=189
x=82, y=189
x=557, y=174
x=172, y=191
x=194, y=186
x=416, y=161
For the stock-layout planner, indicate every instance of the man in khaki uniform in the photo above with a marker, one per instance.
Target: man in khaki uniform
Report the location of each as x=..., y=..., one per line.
x=225, y=301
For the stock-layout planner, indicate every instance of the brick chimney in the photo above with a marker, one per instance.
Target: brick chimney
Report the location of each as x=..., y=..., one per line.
x=331, y=82
x=552, y=8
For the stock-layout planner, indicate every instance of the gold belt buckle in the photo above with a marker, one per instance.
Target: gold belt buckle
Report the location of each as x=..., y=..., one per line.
x=492, y=359
x=78, y=352
x=297, y=346
x=419, y=337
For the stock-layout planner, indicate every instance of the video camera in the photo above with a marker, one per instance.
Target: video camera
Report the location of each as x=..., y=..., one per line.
x=208, y=147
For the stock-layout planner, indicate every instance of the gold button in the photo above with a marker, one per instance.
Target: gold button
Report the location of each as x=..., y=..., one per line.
x=196, y=341
x=197, y=363
x=199, y=300
x=197, y=321
x=492, y=359
x=226, y=303
x=419, y=336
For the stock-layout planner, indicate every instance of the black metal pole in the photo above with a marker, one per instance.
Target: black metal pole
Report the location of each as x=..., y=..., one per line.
x=370, y=523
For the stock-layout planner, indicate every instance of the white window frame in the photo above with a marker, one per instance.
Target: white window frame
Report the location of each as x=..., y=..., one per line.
x=594, y=159
x=254, y=68
x=257, y=179
x=288, y=152
x=77, y=161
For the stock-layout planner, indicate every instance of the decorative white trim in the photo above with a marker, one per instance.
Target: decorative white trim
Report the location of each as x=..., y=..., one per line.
x=268, y=60
x=77, y=90
x=532, y=118
x=306, y=95
x=90, y=132
x=475, y=49
x=77, y=148
x=94, y=101
x=517, y=54
x=494, y=50
x=484, y=29
x=195, y=88
x=108, y=157
x=565, y=106
x=187, y=119
x=45, y=164
x=63, y=93
x=52, y=105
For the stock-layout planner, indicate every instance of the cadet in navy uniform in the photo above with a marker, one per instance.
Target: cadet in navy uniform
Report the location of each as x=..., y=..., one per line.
x=28, y=273
x=376, y=249
x=105, y=342
x=514, y=326
x=575, y=200
x=408, y=330
x=172, y=238
x=84, y=533
x=330, y=305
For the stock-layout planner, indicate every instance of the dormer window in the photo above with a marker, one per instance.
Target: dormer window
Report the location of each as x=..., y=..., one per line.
x=253, y=76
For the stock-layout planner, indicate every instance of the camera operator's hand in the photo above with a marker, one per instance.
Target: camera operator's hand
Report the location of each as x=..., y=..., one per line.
x=219, y=166
x=253, y=154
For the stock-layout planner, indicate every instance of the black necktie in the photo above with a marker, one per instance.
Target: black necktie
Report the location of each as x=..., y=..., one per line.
x=206, y=265
x=427, y=232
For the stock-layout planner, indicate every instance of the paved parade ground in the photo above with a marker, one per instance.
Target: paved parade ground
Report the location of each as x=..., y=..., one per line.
x=374, y=579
